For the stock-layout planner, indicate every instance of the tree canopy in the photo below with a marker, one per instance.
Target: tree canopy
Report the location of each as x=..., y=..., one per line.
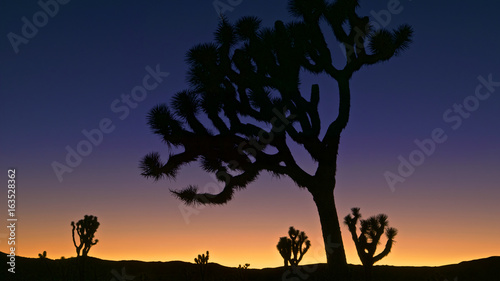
x=250, y=71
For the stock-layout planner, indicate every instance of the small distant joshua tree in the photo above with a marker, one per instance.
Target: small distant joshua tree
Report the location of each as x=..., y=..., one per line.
x=293, y=246
x=202, y=260
x=85, y=229
x=367, y=241
x=43, y=256
x=244, y=267
x=44, y=259
x=242, y=272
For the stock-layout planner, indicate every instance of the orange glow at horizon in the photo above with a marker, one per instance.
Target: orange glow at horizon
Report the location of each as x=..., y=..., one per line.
x=263, y=257
x=149, y=226
x=231, y=248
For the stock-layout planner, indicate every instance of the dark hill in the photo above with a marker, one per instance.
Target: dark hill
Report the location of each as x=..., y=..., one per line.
x=31, y=269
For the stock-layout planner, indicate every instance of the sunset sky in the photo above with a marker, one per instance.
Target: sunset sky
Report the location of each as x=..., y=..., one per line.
x=70, y=75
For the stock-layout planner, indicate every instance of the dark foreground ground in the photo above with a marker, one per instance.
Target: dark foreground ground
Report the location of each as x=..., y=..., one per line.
x=29, y=269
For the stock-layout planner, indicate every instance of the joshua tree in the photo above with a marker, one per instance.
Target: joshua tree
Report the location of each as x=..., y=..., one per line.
x=43, y=256
x=253, y=73
x=242, y=272
x=244, y=266
x=293, y=245
x=366, y=243
x=202, y=260
x=85, y=229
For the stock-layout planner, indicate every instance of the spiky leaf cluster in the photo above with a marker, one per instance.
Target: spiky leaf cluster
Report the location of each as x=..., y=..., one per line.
x=250, y=72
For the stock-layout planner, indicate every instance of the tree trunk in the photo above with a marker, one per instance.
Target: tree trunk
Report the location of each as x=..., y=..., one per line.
x=332, y=237
x=81, y=267
x=368, y=272
x=324, y=184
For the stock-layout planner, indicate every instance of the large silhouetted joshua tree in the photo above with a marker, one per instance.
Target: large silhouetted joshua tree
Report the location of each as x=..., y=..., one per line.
x=294, y=247
x=85, y=229
x=245, y=105
x=371, y=231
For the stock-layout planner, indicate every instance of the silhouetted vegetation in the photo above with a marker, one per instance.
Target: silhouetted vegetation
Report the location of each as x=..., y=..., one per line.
x=202, y=261
x=254, y=73
x=85, y=229
x=242, y=272
x=294, y=247
x=43, y=256
x=245, y=266
x=371, y=231
x=34, y=269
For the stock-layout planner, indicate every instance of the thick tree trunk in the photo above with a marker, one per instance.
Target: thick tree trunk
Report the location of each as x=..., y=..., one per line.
x=332, y=237
x=81, y=261
x=368, y=272
x=324, y=184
